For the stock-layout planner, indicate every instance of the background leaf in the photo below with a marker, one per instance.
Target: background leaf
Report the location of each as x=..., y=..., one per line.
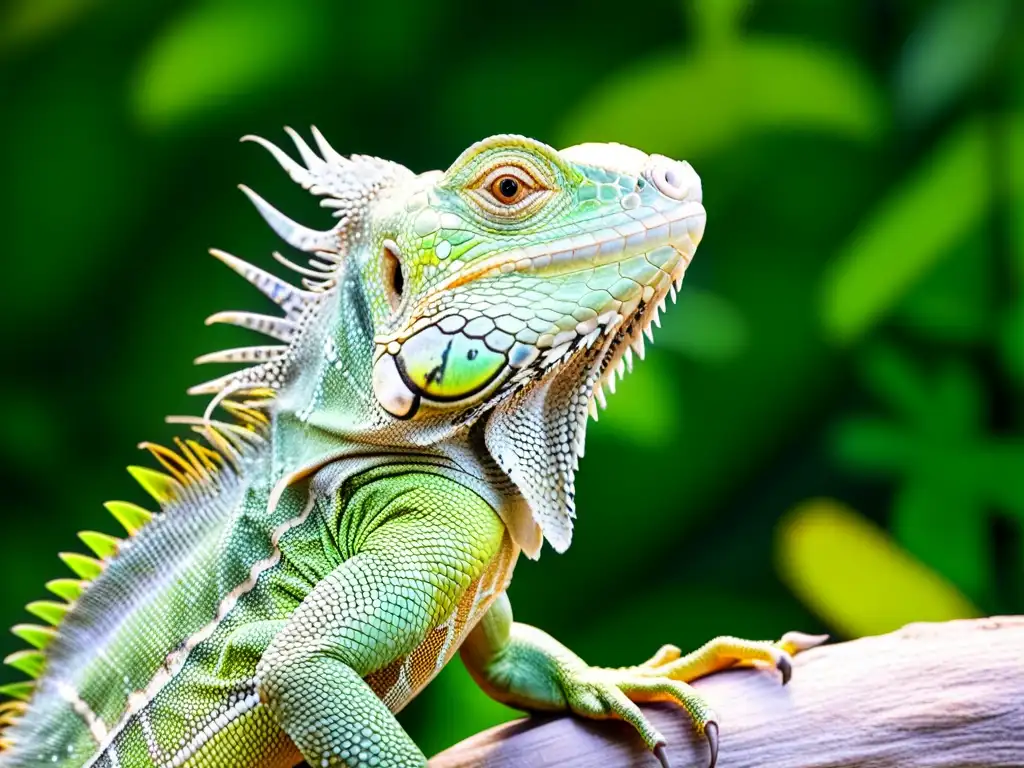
x=844, y=568
x=222, y=52
x=698, y=105
x=951, y=50
x=937, y=206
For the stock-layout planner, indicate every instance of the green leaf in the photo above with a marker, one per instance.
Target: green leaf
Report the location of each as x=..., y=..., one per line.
x=849, y=572
x=219, y=54
x=940, y=203
x=686, y=106
x=948, y=53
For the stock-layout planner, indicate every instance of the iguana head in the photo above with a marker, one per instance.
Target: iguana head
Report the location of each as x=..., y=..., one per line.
x=503, y=292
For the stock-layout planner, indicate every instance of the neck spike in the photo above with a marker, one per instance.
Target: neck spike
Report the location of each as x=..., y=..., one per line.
x=291, y=299
x=296, y=235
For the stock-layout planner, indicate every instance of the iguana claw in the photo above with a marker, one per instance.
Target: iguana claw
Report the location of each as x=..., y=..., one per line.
x=785, y=666
x=659, y=752
x=711, y=734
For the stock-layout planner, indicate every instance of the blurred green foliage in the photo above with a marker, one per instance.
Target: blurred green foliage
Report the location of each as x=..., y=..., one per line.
x=829, y=433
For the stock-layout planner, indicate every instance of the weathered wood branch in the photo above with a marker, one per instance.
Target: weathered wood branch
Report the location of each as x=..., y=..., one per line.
x=928, y=696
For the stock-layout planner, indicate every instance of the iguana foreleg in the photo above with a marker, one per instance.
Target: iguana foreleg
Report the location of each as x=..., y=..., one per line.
x=414, y=552
x=526, y=668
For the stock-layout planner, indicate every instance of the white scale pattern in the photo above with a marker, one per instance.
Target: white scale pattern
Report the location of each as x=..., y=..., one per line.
x=138, y=702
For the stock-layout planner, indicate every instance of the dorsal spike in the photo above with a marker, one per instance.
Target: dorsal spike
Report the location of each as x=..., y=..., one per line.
x=296, y=235
x=163, y=488
x=66, y=589
x=49, y=611
x=104, y=545
x=22, y=690
x=299, y=175
x=330, y=155
x=256, y=375
x=186, y=452
x=320, y=285
x=35, y=635
x=258, y=354
x=29, y=661
x=316, y=274
x=85, y=567
x=210, y=459
x=275, y=327
x=246, y=415
x=10, y=711
x=313, y=161
x=180, y=469
x=291, y=299
x=131, y=516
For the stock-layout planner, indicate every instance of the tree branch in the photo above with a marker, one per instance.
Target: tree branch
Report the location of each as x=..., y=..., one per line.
x=927, y=696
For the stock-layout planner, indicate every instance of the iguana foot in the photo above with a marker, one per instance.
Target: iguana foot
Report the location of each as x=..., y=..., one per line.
x=599, y=692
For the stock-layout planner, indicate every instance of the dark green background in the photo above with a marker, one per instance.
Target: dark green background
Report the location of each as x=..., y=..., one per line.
x=827, y=434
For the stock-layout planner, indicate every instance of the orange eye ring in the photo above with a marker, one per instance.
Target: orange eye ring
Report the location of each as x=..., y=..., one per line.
x=508, y=190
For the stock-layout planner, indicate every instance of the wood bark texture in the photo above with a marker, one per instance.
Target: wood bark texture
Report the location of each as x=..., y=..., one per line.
x=944, y=695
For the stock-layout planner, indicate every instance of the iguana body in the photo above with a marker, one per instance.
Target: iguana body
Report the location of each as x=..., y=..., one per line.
x=356, y=519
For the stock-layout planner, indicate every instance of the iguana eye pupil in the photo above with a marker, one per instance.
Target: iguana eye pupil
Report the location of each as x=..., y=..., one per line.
x=508, y=188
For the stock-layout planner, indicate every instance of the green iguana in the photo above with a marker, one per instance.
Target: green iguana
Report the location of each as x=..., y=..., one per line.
x=359, y=494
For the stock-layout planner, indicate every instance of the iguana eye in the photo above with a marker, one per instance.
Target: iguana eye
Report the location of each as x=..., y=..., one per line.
x=509, y=191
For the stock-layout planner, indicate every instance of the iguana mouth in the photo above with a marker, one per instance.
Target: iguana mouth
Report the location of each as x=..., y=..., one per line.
x=615, y=359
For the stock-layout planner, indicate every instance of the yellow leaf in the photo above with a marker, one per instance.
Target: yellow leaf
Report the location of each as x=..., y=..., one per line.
x=849, y=572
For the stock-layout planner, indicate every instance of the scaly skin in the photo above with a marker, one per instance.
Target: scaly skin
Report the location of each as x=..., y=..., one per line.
x=357, y=516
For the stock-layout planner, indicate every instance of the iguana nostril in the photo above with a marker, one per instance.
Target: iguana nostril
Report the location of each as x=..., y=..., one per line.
x=674, y=179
